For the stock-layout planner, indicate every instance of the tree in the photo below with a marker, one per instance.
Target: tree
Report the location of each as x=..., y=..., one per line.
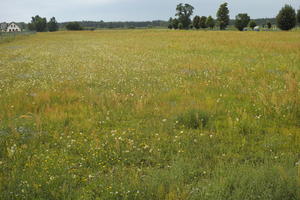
x=210, y=22
x=175, y=23
x=184, y=12
x=52, y=25
x=241, y=21
x=196, y=22
x=203, y=22
x=223, y=16
x=252, y=24
x=170, y=25
x=75, y=26
x=298, y=16
x=286, y=18
x=38, y=24
x=180, y=26
x=269, y=25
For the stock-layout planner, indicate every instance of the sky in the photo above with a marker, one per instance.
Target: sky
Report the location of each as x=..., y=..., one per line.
x=131, y=10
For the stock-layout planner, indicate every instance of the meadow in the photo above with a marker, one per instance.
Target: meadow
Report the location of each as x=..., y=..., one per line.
x=150, y=114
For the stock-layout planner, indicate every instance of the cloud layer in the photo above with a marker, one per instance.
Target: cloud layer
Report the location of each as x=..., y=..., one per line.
x=130, y=10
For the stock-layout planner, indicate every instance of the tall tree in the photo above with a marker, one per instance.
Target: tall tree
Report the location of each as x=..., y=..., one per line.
x=184, y=12
x=210, y=22
x=252, y=24
x=223, y=16
x=298, y=16
x=170, y=23
x=241, y=21
x=203, y=22
x=196, y=22
x=52, y=25
x=38, y=24
x=286, y=18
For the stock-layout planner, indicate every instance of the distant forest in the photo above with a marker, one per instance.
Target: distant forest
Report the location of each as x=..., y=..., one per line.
x=111, y=25
x=145, y=24
x=141, y=24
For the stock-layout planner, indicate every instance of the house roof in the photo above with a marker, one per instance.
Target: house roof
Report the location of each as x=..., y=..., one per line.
x=12, y=23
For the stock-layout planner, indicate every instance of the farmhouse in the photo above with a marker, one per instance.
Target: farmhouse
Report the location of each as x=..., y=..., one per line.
x=11, y=27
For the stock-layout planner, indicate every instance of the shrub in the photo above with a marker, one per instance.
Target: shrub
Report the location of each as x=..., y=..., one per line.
x=75, y=26
x=180, y=26
x=269, y=25
x=252, y=24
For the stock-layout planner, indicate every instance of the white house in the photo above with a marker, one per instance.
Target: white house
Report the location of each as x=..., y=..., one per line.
x=13, y=27
x=256, y=28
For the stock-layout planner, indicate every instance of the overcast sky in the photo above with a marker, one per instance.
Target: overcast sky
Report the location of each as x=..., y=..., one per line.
x=130, y=10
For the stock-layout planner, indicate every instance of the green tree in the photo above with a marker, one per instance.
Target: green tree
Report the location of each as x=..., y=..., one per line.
x=75, y=26
x=196, y=22
x=286, y=18
x=170, y=23
x=38, y=24
x=180, y=26
x=210, y=22
x=223, y=16
x=298, y=16
x=175, y=23
x=52, y=25
x=184, y=12
x=241, y=21
x=203, y=22
x=252, y=24
x=269, y=25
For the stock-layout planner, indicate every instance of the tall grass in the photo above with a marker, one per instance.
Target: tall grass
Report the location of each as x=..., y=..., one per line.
x=150, y=114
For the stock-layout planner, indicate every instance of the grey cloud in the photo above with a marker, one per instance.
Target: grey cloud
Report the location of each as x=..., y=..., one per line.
x=131, y=10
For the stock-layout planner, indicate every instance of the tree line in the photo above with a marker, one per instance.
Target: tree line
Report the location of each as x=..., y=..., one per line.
x=40, y=24
x=286, y=19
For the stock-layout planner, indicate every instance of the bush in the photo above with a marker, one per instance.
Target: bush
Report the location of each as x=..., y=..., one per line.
x=74, y=26
x=286, y=18
x=180, y=26
x=193, y=119
x=269, y=25
x=252, y=24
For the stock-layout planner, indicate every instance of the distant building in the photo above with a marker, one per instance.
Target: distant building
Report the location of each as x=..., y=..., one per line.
x=11, y=27
x=256, y=28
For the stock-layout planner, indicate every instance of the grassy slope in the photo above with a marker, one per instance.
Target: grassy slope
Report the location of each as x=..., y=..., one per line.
x=106, y=115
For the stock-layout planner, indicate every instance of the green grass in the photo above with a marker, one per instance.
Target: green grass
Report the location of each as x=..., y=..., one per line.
x=150, y=114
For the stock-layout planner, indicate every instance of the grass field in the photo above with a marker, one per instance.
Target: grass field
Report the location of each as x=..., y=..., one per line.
x=150, y=114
